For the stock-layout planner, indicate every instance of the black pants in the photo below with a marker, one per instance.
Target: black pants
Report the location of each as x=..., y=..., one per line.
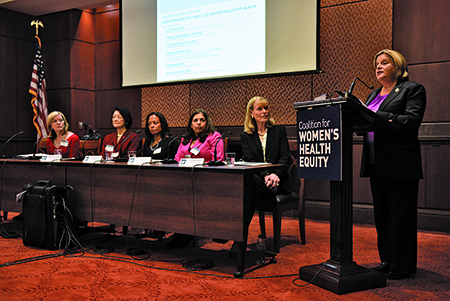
x=395, y=209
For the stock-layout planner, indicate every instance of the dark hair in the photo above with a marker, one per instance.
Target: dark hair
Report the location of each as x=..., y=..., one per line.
x=164, y=126
x=125, y=114
x=208, y=129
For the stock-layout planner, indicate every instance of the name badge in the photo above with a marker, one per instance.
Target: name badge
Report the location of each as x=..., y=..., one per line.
x=157, y=151
x=65, y=143
x=195, y=151
x=109, y=148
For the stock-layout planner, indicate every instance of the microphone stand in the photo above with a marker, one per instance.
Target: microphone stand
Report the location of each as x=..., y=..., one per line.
x=34, y=149
x=168, y=160
x=7, y=141
x=215, y=162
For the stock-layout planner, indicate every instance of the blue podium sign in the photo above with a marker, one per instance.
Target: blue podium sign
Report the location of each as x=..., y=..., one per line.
x=319, y=144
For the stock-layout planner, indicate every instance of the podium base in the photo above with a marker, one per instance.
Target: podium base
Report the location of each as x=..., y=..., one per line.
x=342, y=278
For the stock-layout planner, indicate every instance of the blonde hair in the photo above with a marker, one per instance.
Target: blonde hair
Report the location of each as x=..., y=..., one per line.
x=250, y=123
x=50, y=118
x=399, y=62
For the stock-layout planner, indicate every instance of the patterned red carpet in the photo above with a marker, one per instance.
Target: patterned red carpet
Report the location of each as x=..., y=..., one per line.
x=159, y=274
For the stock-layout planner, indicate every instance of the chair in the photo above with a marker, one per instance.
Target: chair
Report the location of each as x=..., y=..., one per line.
x=41, y=147
x=91, y=147
x=284, y=203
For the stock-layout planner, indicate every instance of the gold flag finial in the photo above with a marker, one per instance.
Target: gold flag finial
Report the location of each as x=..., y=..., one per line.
x=37, y=23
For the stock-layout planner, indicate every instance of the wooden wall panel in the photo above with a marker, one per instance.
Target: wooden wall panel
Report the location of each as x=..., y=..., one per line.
x=107, y=26
x=437, y=177
x=435, y=79
x=7, y=23
x=8, y=57
x=57, y=59
x=421, y=30
x=24, y=63
x=82, y=110
x=82, y=65
x=84, y=26
x=108, y=66
x=107, y=100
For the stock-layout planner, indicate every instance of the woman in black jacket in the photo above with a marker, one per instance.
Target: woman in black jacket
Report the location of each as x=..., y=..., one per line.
x=393, y=162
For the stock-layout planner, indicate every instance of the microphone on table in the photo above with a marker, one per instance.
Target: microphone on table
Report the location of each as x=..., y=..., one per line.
x=34, y=157
x=7, y=141
x=215, y=162
x=168, y=160
x=118, y=159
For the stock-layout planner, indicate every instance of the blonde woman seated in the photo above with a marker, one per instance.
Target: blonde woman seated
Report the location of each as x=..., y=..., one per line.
x=61, y=140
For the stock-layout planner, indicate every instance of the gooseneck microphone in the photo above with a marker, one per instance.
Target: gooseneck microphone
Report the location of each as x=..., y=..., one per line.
x=352, y=86
x=168, y=160
x=215, y=162
x=34, y=148
x=7, y=141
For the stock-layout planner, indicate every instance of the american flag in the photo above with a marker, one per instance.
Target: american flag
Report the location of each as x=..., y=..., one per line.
x=38, y=90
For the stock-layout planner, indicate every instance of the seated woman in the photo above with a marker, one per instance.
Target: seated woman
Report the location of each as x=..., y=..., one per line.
x=200, y=142
x=262, y=141
x=60, y=137
x=158, y=143
x=201, y=139
x=123, y=140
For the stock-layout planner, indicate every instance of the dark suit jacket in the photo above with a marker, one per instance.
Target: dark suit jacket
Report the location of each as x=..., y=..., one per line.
x=397, y=153
x=277, y=152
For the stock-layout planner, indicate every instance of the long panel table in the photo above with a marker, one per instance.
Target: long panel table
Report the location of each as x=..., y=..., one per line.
x=206, y=201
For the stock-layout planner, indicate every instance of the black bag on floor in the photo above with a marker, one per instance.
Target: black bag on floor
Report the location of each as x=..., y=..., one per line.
x=45, y=215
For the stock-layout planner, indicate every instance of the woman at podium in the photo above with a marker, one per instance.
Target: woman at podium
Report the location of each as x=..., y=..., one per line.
x=392, y=160
x=61, y=140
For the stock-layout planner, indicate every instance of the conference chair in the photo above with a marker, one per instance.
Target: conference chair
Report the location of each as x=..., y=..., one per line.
x=41, y=147
x=91, y=147
x=283, y=203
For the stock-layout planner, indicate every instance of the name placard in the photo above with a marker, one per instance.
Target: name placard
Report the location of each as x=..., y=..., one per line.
x=92, y=159
x=50, y=158
x=189, y=162
x=139, y=160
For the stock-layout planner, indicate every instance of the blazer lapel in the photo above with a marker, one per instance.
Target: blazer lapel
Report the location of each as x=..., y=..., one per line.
x=392, y=95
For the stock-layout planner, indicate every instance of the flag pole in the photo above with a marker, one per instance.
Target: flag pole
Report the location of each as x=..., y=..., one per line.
x=38, y=88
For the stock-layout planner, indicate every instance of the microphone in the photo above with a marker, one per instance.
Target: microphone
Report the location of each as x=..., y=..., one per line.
x=34, y=148
x=353, y=85
x=215, y=162
x=7, y=141
x=91, y=130
x=168, y=160
x=118, y=159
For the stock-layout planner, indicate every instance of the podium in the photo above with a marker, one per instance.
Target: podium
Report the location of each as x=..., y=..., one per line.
x=325, y=145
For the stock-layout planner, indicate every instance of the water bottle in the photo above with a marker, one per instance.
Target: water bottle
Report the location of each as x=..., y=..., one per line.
x=261, y=250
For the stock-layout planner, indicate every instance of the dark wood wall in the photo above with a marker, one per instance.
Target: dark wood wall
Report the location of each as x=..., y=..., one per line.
x=82, y=61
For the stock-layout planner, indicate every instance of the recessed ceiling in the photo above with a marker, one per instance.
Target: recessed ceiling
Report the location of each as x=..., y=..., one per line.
x=44, y=7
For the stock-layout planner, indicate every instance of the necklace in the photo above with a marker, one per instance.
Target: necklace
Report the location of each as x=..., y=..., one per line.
x=152, y=148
